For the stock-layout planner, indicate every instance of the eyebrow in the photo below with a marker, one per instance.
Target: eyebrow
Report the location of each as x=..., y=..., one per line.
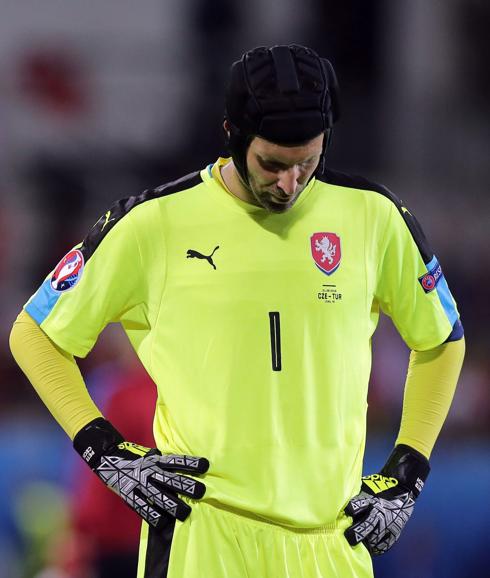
x=279, y=164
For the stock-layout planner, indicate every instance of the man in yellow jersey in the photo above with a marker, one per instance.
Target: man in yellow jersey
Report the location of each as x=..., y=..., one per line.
x=250, y=291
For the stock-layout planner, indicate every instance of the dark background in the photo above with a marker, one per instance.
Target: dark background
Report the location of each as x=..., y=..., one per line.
x=98, y=102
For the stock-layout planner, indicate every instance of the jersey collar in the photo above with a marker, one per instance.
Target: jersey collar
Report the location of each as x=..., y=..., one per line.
x=212, y=176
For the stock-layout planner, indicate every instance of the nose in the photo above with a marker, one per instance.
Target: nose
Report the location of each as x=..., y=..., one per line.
x=288, y=180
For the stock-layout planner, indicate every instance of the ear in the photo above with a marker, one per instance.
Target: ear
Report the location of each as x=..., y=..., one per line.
x=226, y=127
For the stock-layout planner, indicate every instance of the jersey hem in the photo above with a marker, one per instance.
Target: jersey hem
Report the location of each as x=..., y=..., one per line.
x=66, y=344
x=431, y=344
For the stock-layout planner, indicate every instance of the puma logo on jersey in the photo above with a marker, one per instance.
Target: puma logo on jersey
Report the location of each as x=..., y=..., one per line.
x=192, y=254
x=107, y=220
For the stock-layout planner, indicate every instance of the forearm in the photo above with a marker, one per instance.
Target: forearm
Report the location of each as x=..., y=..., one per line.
x=54, y=374
x=429, y=389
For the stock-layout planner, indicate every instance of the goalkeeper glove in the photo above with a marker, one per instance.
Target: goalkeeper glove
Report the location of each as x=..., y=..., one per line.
x=385, y=503
x=143, y=477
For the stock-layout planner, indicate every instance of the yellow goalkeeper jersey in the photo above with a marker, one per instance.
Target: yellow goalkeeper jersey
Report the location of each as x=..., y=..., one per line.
x=256, y=327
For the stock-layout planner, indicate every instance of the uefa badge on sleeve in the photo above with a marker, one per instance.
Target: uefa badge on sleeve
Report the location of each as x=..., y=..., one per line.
x=430, y=280
x=68, y=271
x=325, y=249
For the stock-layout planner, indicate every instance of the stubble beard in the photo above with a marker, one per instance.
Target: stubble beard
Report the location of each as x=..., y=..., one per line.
x=265, y=200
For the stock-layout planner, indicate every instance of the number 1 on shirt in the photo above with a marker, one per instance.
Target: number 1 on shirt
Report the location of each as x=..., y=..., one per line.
x=275, y=328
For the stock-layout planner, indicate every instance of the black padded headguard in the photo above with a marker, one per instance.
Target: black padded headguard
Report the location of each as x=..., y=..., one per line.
x=285, y=94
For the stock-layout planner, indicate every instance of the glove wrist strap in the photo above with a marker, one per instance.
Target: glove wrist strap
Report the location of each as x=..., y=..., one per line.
x=96, y=439
x=409, y=467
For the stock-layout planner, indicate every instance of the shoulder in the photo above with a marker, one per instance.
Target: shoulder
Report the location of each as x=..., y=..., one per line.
x=380, y=195
x=139, y=207
x=357, y=182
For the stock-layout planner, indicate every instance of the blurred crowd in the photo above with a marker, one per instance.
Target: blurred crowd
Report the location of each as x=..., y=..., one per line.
x=101, y=103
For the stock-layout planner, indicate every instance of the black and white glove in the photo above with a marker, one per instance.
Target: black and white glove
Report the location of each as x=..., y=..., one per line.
x=385, y=503
x=144, y=478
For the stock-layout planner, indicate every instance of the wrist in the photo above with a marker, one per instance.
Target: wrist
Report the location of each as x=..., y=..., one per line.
x=95, y=440
x=409, y=467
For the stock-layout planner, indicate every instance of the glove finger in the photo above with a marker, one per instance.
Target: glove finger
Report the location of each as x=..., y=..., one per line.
x=377, y=547
x=165, y=480
x=361, y=529
x=167, y=502
x=183, y=463
x=139, y=503
x=359, y=505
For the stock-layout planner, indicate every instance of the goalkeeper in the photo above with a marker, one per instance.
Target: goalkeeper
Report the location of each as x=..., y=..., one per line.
x=250, y=291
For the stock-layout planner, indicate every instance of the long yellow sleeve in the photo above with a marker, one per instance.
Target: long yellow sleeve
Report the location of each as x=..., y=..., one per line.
x=429, y=389
x=54, y=374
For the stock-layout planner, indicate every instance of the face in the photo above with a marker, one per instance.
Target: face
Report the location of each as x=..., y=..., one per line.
x=278, y=174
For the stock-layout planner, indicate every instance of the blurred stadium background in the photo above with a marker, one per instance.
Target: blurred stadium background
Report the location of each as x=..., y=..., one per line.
x=101, y=101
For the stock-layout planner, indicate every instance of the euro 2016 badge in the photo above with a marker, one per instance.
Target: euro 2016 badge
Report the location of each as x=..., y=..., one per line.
x=68, y=271
x=325, y=249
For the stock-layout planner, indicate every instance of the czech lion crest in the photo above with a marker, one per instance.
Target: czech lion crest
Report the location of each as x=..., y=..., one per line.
x=325, y=249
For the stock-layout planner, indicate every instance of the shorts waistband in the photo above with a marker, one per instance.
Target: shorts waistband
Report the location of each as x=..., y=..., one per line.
x=244, y=517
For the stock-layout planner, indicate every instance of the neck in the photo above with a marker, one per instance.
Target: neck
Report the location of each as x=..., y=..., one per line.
x=234, y=183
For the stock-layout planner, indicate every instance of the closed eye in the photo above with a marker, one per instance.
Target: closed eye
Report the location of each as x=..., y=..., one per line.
x=274, y=166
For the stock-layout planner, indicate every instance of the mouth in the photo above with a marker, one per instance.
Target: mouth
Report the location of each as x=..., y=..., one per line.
x=281, y=200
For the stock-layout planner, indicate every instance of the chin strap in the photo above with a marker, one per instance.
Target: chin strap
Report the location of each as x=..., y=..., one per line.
x=238, y=144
